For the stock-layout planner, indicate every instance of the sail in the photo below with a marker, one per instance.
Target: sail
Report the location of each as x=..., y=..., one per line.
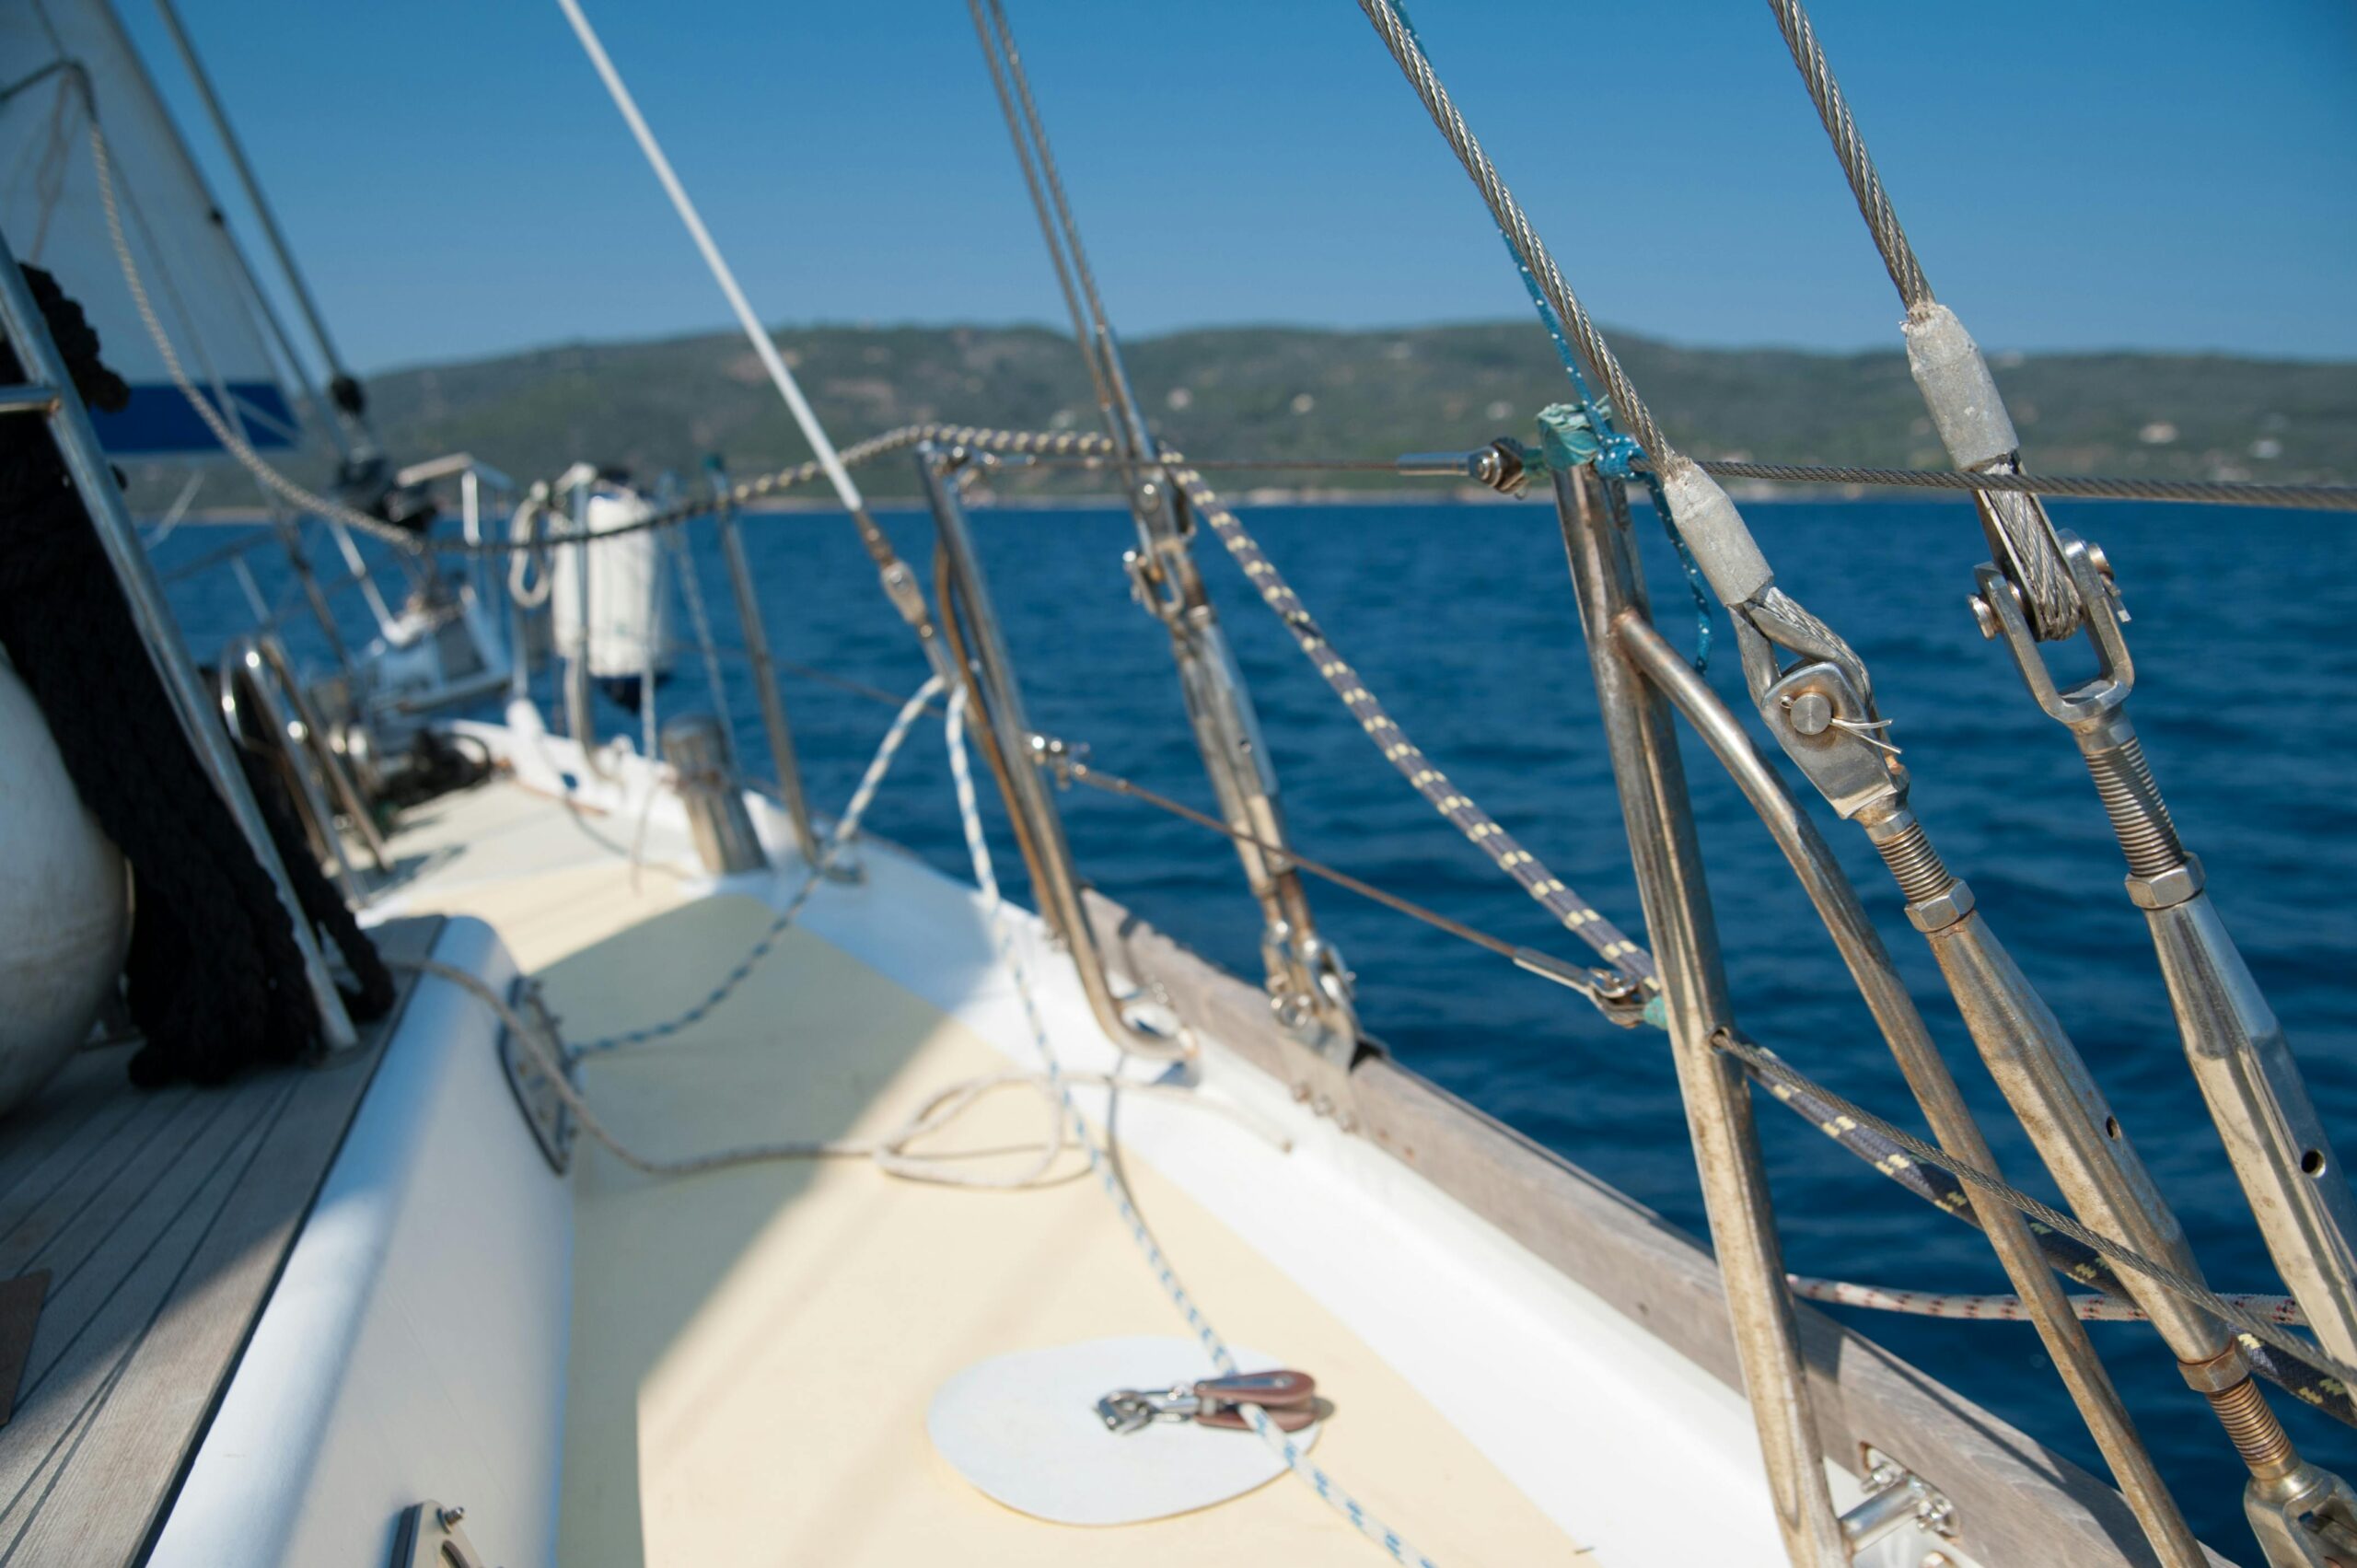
x=67, y=61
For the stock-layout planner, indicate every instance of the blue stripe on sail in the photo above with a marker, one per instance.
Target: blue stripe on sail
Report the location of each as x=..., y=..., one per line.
x=158, y=419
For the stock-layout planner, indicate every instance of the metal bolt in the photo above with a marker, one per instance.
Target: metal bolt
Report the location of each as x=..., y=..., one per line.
x=1811, y=712
x=1983, y=616
x=1941, y=910
x=2167, y=889
x=450, y=1515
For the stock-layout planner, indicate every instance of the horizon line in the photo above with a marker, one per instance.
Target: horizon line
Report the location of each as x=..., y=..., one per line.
x=2001, y=357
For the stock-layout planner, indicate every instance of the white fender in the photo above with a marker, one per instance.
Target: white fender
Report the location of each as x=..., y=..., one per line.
x=63, y=913
x=630, y=612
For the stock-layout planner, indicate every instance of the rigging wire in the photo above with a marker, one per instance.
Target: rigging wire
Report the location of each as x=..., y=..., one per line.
x=1025, y=157
x=1598, y=415
x=2019, y=531
x=1850, y=146
x=1602, y=366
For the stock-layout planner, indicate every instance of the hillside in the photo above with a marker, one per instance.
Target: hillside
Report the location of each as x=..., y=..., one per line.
x=1275, y=391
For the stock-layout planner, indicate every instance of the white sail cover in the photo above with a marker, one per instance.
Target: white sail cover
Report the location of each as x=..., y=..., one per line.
x=59, y=61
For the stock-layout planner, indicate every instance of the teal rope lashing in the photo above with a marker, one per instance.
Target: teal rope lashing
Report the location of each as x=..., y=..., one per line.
x=1614, y=453
x=1568, y=439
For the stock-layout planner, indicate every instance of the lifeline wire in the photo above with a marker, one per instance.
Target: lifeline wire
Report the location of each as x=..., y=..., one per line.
x=1625, y=955
x=2223, y=492
x=1109, y=1176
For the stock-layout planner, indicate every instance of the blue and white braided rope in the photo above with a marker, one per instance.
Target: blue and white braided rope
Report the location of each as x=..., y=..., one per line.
x=1108, y=1179
x=846, y=830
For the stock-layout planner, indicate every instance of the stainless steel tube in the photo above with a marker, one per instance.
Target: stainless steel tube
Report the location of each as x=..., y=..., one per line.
x=1951, y=1121
x=2244, y=1067
x=1669, y=865
x=243, y=668
x=315, y=736
x=757, y=653
x=580, y=711
x=697, y=749
x=2249, y=1078
x=1308, y=985
x=2290, y=1173
x=86, y=461
x=1059, y=894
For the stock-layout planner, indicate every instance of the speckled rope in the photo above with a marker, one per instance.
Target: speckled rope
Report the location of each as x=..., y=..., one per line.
x=1108, y=1178
x=846, y=830
x=1577, y=915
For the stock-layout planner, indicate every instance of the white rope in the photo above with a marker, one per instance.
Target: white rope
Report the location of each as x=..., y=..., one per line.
x=2003, y=1308
x=253, y=462
x=755, y=333
x=527, y=593
x=1108, y=1177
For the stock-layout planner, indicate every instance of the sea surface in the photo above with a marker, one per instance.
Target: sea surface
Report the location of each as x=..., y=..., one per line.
x=1461, y=619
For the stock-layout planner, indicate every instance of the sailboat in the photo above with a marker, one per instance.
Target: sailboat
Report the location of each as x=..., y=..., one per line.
x=535, y=1131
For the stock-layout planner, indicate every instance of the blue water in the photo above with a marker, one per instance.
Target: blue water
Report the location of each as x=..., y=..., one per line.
x=1461, y=619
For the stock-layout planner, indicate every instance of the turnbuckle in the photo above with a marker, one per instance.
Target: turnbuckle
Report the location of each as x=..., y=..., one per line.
x=1289, y=1398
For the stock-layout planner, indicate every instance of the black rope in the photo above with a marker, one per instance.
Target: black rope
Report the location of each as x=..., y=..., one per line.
x=215, y=979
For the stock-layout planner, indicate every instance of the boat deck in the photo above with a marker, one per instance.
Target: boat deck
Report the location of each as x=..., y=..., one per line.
x=754, y=1350
x=140, y=1235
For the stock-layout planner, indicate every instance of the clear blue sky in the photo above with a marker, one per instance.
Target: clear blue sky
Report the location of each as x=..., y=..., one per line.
x=2076, y=173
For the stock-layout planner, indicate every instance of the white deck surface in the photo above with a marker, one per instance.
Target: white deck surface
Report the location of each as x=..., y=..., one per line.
x=753, y=1350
